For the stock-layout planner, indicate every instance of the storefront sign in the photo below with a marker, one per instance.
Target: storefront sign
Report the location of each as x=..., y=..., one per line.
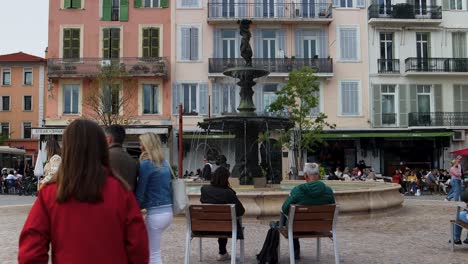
x=47, y=131
x=128, y=131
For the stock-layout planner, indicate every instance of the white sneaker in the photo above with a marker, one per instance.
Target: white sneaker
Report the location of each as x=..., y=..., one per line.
x=223, y=257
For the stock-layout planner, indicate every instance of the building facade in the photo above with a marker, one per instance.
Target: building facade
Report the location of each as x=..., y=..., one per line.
x=89, y=38
x=21, y=106
x=418, y=65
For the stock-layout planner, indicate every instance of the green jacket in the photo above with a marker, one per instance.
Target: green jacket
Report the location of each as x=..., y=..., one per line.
x=310, y=193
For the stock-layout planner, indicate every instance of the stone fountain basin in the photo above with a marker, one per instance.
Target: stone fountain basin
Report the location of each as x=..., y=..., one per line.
x=350, y=196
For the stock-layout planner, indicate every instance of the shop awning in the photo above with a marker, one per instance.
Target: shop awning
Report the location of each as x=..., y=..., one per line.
x=386, y=135
x=463, y=152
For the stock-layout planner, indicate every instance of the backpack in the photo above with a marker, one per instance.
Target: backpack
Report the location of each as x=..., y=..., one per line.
x=269, y=252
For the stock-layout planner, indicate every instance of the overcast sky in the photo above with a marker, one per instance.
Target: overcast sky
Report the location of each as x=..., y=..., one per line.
x=23, y=26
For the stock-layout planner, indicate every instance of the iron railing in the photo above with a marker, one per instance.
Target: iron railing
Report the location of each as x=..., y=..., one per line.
x=388, y=65
x=389, y=118
x=217, y=10
x=436, y=64
x=405, y=11
x=89, y=67
x=218, y=65
x=438, y=119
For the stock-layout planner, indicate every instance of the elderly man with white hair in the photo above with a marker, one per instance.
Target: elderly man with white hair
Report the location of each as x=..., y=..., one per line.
x=313, y=192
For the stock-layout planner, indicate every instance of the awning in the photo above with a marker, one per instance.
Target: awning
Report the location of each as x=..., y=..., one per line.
x=463, y=152
x=386, y=135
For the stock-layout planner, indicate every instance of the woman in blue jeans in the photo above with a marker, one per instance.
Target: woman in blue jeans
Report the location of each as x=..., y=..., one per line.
x=455, y=181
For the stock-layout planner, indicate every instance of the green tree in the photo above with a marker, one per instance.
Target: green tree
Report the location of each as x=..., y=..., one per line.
x=297, y=99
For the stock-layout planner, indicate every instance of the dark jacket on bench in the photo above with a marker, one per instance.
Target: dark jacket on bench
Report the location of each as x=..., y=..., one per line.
x=216, y=195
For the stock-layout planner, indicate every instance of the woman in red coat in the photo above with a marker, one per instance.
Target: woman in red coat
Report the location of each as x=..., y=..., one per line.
x=88, y=215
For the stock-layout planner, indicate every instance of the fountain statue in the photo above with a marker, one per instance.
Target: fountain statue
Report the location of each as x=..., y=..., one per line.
x=246, y=125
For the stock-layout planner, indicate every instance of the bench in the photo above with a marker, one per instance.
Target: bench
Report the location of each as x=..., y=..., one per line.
x=314, y=221
x=457, y=222
x=213, y=221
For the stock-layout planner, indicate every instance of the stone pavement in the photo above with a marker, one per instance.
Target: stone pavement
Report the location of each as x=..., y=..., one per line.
x=418, y=232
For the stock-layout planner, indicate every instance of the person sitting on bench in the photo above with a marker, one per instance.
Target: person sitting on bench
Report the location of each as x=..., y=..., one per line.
x=463, y=216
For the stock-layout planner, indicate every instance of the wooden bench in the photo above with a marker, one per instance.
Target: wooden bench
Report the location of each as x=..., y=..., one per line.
x=457, y=222
x=213, y=221
x=315, y=221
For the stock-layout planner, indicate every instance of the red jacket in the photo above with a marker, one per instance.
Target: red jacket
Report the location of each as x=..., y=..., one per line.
x=111, y=231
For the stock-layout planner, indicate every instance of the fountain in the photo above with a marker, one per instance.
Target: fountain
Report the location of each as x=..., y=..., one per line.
x=246, y=125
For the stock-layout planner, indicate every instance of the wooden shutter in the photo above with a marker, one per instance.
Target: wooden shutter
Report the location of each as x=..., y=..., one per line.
x=464, y=96
x=185, y=43
x=377, y=107
x=75, y=43
x=258, y=94
x=123, y=10
x=106, y=38
x=242, y=8
x=217, y=44
x=445, y=5
x=258, y=8
x=164, y=3
x=413, y=104
x=215, y=99
x=137, y=3
x=323, y=43
x=194, y=43
x=402, y=92
x=279, y=12
x=258, y=47
x=457, y=98
x=203, y=108
x=438, y=107
x=154, y=42
x=76, y=4
x=106, y=10
x=146, y=42
x=115, y=43
x=298, y=41
x=67, y=4
x=67, y=39
x=176, y=98
x=360, y=3
x=281, y=39
x=336, y=3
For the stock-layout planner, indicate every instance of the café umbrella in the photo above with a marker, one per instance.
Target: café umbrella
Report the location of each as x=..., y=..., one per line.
x=463, y=152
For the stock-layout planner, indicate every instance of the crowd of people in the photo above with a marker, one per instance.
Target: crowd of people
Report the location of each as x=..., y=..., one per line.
x=360, y=172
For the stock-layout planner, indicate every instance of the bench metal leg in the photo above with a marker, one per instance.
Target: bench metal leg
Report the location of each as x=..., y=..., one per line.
x=279, y=249
x=291, y=250
x=187, y=249
x=200, y=253
x=335, y=248
x=242, y=253
x=452, y=226
x=233, y=249
x=318, y=248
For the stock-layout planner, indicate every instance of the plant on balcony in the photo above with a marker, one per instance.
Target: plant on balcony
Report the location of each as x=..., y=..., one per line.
x=297, y=98
x=112, y=101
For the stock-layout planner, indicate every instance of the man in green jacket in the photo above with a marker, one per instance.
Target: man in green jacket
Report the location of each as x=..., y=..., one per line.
x=313, y=192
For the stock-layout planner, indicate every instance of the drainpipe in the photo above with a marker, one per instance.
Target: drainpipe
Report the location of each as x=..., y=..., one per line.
x=181, y=148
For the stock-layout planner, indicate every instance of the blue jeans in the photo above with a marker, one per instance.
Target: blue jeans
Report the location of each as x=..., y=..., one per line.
x=456, y=187
x=457, y=229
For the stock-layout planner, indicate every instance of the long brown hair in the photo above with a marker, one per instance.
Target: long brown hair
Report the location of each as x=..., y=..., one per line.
x=85, y=159
x=52, y=148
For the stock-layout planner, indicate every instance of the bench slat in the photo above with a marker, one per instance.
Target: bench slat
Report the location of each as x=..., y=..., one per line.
x=200, y=215
x=210, y=208
x=312, y=226
x=211, y=225
x=314, y=216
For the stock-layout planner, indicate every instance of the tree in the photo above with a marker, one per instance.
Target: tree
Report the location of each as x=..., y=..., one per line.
x=298, y=98
x=114, y=94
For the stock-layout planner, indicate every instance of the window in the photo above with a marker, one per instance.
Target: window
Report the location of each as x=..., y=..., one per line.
x=310, y=47
x=150, y=42
x=27, y=103
x=190, y=99
x=74, y=4
x=6, y=130
x=229, y=43
x=386, y=53
x=459, y=45
x=346, y=3
x=150, y=99
x=388, y=104
x=71, y=43
x=350, y=99
x=224, y=98
x=6, y=76
x=422, y=50
x=26, y=130
x=151, y=3
x=6, y=103
x=115, y=10
x=111, y=43
x=269, y=44
x=189, y=47
x=71, y=93
x=316, y=110
x=190, y=3
x=349, y=44
x=27, y=76
x=193, y=96
x=424, y=98
x=269, y=95
x=112, y=103
x=455, y=4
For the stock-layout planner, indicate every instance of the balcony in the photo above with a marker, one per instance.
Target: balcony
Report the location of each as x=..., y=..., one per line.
x=278, y=67
x=389, y=119
x=219, y=12
x=90, y=67
x=438, y=119
x=418, y=66
x=389, y=66
x=404, y=14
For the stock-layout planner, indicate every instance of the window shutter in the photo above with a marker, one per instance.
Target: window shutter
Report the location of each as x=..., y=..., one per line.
x=258, y=49
x=336, y=3
x=76, y=4
x=146, y=43
x=106, y=43
x=106, y=10
x=194, y=44
x=464, y=96
x=115, y=43
x=258, y=8
x=412, y=99
x=281, y=39
x=67, y=4
x=203, y=109
x=402, y=91
x=232, y=96
x=176, y=98
x=137, y=3
x=67, y=43
x=155, y=100
x=279, y=12
x=323, y=45
x=299, y=46
x=343, y=44
x=123, y=10
x=258, y=98
x=377, y=106
x=457, y=98
x=217, y=44
x=185, y=43
x=360, y=3
x=242, y=8
x=438, y=97
x=154, y=42
x=75, y=43
x=445, y=5
x=215, y=100
x=164, y=3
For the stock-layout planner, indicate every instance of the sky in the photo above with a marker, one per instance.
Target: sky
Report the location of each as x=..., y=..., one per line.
x=23, y=26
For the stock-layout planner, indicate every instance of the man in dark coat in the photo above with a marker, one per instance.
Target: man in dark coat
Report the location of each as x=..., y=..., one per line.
x=121, y=162
x=206, y=173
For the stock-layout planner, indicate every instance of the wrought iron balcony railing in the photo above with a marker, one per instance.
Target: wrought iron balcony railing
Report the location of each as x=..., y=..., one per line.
x=388, y=65
x=89, y=67
x=405, y=11
x=436, y=65
x=438, y=119
x=389, y=118
x=218, y=65
x=217, y=10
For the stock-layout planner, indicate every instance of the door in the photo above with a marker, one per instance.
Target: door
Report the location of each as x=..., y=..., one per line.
x=420, y=7
x=229, y=44
x=422, y=51
x=310, y=47
x=228, y=8
x=386, y=52
x=385, y=7
x=424, y=104
x=268, y=8
x=308, y=8
x=388, y=101
x=269, y=44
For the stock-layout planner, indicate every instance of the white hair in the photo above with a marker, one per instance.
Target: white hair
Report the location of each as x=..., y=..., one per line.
x=311, y=169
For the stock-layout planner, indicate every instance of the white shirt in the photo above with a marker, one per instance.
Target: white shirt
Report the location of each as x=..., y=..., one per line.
x=11, y=177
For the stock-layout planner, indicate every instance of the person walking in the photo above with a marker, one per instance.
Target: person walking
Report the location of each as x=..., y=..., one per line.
x=455, y=181
x=121, y=162
x=87, y=214
x=53, y=161
x=153, y=192
x=219, y=192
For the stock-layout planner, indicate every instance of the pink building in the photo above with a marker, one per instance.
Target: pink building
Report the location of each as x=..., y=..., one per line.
x=86, y=37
